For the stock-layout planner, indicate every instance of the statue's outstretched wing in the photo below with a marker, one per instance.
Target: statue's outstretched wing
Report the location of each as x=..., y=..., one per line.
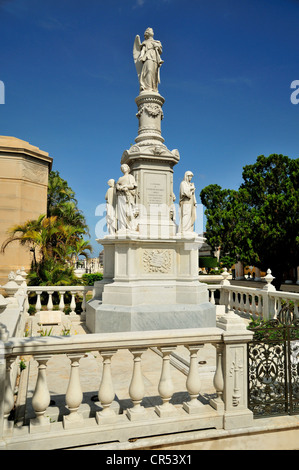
x=136, y=54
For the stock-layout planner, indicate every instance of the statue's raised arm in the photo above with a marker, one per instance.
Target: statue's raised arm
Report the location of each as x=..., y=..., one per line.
x=147, y=58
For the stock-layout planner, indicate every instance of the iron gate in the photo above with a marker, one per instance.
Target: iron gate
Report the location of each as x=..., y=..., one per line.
x=273, y=366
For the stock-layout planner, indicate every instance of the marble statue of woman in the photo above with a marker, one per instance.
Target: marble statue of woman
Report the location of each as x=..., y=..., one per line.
x=110, y=207
x=187, y=204
x=147, y=58
x=125, y=192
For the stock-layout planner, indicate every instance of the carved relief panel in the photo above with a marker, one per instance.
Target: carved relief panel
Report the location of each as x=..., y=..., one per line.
x=157, y=261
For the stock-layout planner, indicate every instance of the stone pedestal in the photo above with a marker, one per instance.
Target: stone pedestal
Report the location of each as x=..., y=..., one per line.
x=149, y=285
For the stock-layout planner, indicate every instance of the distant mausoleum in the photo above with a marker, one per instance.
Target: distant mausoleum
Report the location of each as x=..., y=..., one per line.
x=24, y=171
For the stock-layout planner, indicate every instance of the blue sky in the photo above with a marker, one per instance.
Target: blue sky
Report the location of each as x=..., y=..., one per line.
x=70, y=84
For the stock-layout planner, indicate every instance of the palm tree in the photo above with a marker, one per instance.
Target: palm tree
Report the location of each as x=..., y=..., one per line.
x=54, y=238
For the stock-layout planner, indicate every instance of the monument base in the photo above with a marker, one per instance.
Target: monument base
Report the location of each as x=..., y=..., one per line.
x=102, y=318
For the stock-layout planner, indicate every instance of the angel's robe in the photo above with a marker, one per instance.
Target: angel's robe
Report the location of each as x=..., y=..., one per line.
x=187, y=207
x=150, y=56
x=125, y=202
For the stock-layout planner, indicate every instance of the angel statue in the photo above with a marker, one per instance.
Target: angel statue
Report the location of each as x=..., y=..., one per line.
x=148, y=61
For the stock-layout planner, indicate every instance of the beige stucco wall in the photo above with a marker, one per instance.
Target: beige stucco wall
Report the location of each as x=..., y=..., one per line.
x=24, y=171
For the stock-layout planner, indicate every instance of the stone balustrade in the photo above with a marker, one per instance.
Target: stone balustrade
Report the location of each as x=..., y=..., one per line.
x=225, y=409
x=61, y=291
x=264, y=303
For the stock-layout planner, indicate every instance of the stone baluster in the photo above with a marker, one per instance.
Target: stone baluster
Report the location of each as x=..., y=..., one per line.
x=136, y=389
x=73, y=303
x=106, y=392
x=74, y=393
x=38, y=305
x=26, y=303
x=8, y=398
x=212, y=298
x=229, y=304
x=259, y=306
x=83, y=306
x=50, y=302
x=61, y=301
x=165, y=387
x=217, y=403
x=241, y=305
x=193, y=381
x=234, y=300
x=41, y=396
x=255, y=304
x=247, y=303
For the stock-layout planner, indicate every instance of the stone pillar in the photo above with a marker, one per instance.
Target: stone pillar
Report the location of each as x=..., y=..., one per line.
x=150, y=115
x=151, y=163
x=239, y=271
x=268, y=302
x=235, y=392
x=297, y=282
x=24, y=171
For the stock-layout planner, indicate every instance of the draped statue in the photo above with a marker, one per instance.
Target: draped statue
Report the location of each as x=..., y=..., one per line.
x=187, y=204
x=110, y=207
x=147, y=58
x=125, y=192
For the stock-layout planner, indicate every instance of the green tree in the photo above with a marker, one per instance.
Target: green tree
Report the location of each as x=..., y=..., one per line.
x=259, y=223
x=54, y=238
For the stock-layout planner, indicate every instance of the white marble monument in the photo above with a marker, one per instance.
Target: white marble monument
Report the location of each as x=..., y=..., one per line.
x=150, y=278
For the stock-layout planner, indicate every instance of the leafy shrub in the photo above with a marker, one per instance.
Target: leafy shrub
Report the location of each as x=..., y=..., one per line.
x=31, y=310
x=207, y=262
x=90, y=279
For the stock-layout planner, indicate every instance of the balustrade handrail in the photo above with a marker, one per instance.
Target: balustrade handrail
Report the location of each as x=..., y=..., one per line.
x=284, y=295
x=244, y=289
x=214, y=286
x=59, y=288
x=105, y=341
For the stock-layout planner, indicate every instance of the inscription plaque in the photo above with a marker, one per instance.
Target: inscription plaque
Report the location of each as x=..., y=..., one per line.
x=155, y=188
